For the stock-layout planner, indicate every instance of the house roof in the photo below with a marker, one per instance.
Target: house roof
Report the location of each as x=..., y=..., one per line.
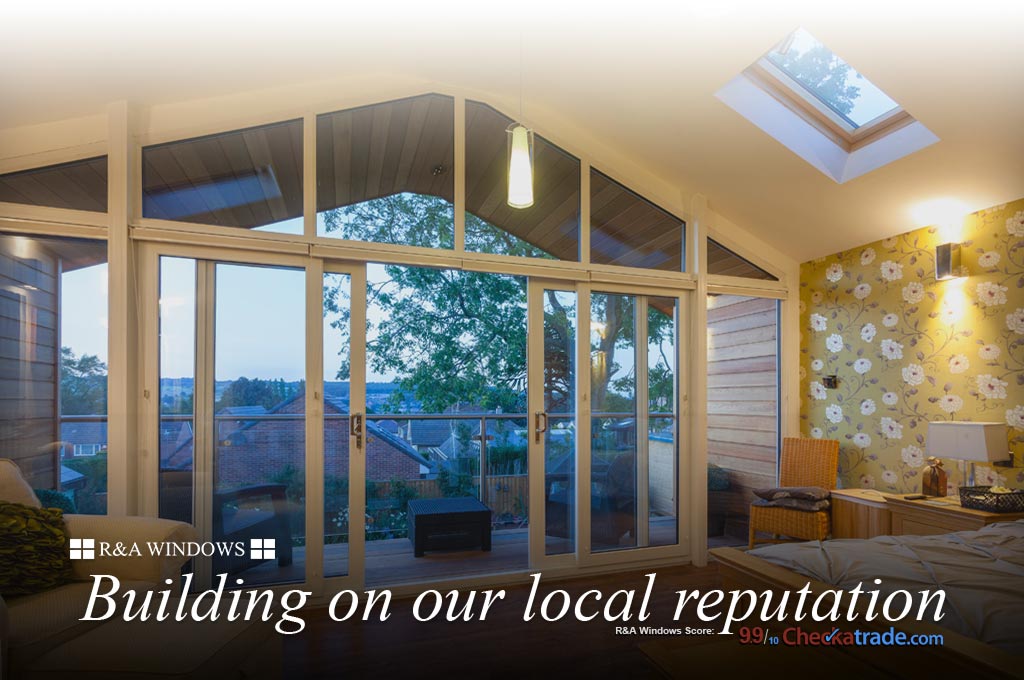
x=84, y=432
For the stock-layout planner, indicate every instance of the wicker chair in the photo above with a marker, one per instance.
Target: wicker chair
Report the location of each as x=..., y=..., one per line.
x=805, y=462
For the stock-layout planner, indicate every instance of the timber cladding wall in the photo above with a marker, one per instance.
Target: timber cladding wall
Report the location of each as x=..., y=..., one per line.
x=28, y=356
x=743, y=396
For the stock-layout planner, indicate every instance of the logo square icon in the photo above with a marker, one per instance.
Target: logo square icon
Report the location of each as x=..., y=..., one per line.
x=262, y=549
x=82, y=548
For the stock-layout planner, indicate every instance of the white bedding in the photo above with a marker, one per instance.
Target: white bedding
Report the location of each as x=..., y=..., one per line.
x=982, y=573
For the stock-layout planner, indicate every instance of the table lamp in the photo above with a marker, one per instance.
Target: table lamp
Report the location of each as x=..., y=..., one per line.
x=968, y=442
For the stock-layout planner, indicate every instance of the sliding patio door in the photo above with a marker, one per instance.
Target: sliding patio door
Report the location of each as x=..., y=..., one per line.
x=252, y=449
x=634, y=442
x=553, y=328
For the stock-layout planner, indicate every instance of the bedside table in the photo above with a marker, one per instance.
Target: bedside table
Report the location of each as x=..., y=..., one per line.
x=937, y=516
x=860, y=513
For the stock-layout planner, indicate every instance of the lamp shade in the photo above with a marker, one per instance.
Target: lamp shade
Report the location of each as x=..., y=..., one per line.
x=979, y=442
x=520, y=166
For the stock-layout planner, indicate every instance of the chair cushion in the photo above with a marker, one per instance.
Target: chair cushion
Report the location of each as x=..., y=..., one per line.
x=794, y=504
x=13, y=487
x=804, y=493
x=33, y=553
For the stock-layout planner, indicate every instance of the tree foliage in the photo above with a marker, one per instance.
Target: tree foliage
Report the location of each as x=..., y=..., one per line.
x=824, y=74
x=257, y=392
x=458, y=338
x=83, y=384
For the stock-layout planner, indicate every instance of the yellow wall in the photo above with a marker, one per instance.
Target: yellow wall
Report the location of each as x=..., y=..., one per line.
x=909, y=349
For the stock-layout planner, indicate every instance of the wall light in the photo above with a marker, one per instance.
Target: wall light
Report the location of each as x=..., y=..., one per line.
x=947, y=261
x=520, y=166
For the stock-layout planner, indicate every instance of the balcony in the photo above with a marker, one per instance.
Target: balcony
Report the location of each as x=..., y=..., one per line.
x=408, y=456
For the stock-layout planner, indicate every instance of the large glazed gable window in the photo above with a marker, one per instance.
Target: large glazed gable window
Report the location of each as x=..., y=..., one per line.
x=630, y=231
x=385, y=173
x=78, y=185
x=248, y=178
x=551, y=227
x=723, y=261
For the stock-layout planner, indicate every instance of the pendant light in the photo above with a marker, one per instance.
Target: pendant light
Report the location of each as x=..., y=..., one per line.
x=520, y=153
x=520, y=166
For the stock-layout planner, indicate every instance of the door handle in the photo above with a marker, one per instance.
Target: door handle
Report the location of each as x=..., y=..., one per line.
x=539, y=429
x=355, y=425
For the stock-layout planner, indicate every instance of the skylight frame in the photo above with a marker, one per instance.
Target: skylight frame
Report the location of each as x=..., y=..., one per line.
x=808, y=106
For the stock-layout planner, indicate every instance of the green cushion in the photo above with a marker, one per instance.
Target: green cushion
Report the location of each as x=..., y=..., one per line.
x=57, y=499
x=33, y=554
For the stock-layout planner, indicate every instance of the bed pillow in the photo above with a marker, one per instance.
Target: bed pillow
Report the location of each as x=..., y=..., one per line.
x=33, y=554
x=794, y=504
x=803, y=493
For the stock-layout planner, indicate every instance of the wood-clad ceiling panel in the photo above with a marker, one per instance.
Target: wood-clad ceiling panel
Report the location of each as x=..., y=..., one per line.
x=78, y=185
x=723, y=261
x=552, y=222
x=244, y=178
x=384, y=149
x=630, y=231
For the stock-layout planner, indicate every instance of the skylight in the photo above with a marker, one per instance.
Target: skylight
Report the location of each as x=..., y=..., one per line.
x=823, y=110
x=831, y=80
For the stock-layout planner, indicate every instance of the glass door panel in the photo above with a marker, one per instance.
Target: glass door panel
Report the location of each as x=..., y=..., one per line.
x=613, y=447
x=177, y=387
x=337, y=296
x=259, y=456
x=446, y=424
x=662, y=431
x=634, y=442
x=559, y=308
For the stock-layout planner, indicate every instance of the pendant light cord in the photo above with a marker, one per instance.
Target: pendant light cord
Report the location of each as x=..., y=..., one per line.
x=521, y=77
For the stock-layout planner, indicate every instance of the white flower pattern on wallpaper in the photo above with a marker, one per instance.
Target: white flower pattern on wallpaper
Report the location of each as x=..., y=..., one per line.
x=909, y=349
x=958, y=363
x=991, y=294
x=891, y=349
x=1015, y=321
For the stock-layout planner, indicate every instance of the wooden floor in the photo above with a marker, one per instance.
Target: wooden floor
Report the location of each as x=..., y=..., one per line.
x=391, y=562
x=503, y=646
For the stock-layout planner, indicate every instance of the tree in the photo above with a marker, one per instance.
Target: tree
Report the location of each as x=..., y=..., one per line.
x=452, y=337
x=83, y=384
x=258, y=392
x=459, y=337
x=824, y=74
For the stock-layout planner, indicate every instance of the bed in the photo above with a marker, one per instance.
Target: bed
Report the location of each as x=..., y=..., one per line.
x=982, y=573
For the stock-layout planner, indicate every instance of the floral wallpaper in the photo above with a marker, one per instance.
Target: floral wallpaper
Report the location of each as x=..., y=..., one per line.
x=909, y=349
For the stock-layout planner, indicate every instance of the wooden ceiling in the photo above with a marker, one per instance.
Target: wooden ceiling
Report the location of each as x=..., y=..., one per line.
x=723, y=261
x=406, y=145
x=552, y=223
x=628, y=230
x=78, y=185
x=245, y=178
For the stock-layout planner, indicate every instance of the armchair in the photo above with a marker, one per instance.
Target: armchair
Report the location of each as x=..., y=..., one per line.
x=804, y=462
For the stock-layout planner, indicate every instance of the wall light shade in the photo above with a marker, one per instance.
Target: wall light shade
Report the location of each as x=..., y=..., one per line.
x=947, y=261
x=520, y=166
